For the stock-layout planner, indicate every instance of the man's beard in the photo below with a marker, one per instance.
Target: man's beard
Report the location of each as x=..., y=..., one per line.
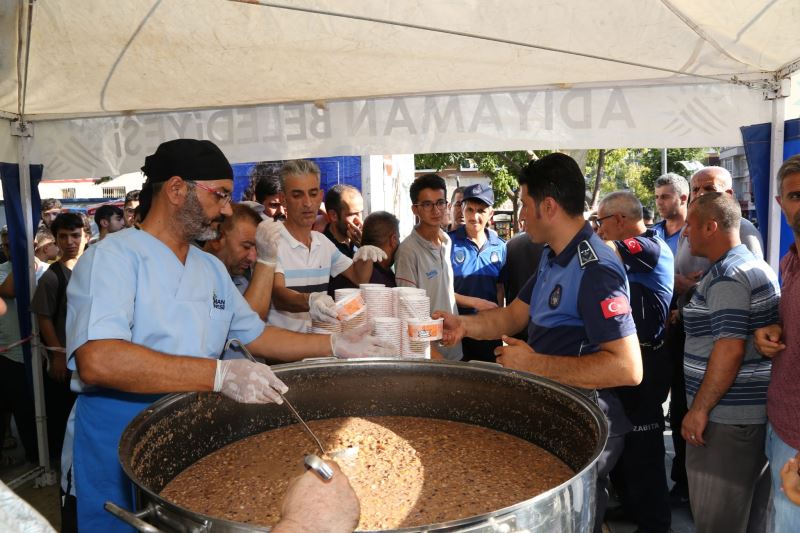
x=193, y=221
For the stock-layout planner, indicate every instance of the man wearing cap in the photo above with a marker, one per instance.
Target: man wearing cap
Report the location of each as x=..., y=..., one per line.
x=478, y=256
x=156, y=323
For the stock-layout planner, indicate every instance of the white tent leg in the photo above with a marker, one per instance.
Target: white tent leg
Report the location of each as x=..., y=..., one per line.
x=36, y=361
x=776, y=159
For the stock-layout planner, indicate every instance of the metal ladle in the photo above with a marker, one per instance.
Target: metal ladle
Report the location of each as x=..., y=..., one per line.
x=288, y=404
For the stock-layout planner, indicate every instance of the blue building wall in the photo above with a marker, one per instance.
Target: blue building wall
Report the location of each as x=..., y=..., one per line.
x=341, y=169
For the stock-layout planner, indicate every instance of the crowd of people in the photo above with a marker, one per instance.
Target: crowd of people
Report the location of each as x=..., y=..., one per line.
x=627, y=312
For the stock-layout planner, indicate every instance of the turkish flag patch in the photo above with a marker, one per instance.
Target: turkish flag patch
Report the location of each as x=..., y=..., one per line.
x=615, y=307
x=633, y=245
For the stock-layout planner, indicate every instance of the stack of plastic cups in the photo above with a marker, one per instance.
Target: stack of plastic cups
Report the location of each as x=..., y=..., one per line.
x=379, y=301
x=388, y=330
x=413, y=307
x=325, y=328
x=404, y=291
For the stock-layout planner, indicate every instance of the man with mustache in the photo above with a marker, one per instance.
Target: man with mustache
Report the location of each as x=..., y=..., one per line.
x=307, y=260
x=158, y=320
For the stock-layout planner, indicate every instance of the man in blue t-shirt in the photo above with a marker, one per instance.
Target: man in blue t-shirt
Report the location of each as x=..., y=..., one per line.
x=478, y=257
x=577, y=308
x=640, y=477
x=672, y=202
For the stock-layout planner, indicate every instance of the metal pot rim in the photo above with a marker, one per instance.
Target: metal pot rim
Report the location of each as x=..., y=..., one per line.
x=328, y=362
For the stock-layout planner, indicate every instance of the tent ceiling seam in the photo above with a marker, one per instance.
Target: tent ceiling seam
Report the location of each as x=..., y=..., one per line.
x=700, y=33
x=362, y=18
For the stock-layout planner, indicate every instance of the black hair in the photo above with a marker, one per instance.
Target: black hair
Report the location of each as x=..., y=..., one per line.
x=427, y=181
x=558, y=176
x=105, y=212
x=378, y=227
x=132, y=196
x=333, y=198
x=264, y=181
x=69, y=222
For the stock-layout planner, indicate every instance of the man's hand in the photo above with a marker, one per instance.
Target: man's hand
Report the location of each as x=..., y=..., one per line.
x=359, y=343
x=248, y=382
x=518, y=355
x=315, y=505
x=369, y=253
x=322, y=308
x=684, y=283
x=694, y=424
x=268, y=234
x=790, y=478
x=58, y=366
x=454, y=329
x=768, y=340
x=354, y=233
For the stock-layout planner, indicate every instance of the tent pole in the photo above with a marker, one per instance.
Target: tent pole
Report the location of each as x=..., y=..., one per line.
x=36, y=356
x=775, y=161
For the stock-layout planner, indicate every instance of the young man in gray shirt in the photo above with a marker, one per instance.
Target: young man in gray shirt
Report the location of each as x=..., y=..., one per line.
x=423, y=258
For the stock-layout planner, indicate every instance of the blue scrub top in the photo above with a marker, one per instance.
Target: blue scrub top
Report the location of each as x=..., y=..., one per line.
x=651, y=271
x=476, y=272
x=130, y=286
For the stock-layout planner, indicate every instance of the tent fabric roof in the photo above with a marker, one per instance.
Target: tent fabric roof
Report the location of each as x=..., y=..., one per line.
x=96, y=57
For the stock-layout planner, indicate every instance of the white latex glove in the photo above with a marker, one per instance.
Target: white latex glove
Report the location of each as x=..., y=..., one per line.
x=248, y=382
x=370, y=253
x=359, y=343
x=322, y=307
x=268, y=234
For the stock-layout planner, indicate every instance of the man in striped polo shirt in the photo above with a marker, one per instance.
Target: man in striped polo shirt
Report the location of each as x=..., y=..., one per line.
x=726, y=379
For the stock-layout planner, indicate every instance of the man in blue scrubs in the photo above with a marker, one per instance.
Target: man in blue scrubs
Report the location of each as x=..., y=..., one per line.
x=580, y=329
x=148, y=314
x=640, y=477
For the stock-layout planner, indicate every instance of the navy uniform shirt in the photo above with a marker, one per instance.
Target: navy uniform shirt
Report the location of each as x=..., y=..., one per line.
x=578, y=300
x=476, y=272
x=649, y=263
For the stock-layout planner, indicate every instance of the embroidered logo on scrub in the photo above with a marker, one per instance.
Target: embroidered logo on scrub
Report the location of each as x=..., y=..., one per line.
x=555, y=297
x=218, y=303
x=460, y=256
x=633, y=245
x=615, y=306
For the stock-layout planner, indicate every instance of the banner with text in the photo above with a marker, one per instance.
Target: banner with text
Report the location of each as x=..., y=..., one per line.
x=656, y=117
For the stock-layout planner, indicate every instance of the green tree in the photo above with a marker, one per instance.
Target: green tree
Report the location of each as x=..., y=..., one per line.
x=502, y=168
x=650, y=159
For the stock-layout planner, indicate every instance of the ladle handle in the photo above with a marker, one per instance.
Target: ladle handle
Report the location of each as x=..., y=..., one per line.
x=135, y=520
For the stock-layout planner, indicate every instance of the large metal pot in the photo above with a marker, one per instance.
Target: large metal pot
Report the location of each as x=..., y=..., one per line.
x=178, y=430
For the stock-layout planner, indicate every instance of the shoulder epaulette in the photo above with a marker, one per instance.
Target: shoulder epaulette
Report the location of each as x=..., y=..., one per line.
x=586, y=253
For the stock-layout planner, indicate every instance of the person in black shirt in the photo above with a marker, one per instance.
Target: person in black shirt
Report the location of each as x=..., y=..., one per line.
x=345, y=208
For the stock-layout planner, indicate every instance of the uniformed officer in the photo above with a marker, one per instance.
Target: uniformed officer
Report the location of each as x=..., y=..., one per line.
x=148, y=314
x=576, y=304
x=479, y=257
x=640, y=476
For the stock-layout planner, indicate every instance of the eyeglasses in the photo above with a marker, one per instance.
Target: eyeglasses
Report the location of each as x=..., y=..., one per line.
x=599, y=221
x=222, y=196
x=427, y=206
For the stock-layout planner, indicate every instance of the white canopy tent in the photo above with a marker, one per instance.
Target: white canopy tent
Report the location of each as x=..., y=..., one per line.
x=91, y=87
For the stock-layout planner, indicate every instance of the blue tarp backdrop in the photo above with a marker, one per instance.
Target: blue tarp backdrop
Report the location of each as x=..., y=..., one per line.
x=343, y=169
x=757, y=149
x=9, y=174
